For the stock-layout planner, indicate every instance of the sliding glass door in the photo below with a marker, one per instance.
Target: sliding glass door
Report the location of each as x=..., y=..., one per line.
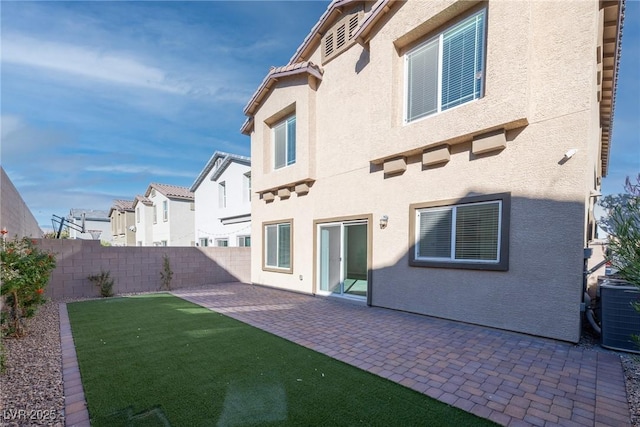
x=342, y=259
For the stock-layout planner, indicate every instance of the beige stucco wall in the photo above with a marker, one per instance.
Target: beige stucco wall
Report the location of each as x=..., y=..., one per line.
x=540, y=73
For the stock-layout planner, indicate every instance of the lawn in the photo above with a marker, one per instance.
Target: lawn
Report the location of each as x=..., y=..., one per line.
x=159, y=360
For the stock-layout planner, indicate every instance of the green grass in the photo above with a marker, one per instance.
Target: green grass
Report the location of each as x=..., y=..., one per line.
x=158, y=360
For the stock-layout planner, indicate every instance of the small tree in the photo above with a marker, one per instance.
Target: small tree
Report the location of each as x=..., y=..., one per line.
x=622, y=223
x=166, y=274
x=104, y=282
x=25, y=271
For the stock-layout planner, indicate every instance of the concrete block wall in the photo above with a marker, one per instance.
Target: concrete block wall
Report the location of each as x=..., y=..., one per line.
x=137, y=269
x=15, y=215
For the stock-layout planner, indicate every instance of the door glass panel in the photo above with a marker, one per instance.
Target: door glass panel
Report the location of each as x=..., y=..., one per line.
x=355, y=259
x=330, y=258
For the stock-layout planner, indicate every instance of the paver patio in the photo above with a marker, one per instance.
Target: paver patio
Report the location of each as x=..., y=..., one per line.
x=510, y=378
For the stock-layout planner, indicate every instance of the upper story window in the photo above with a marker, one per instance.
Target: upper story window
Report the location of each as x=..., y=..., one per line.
x=284, y=142
x=222, y=194
x=155, y=214
x=138, y=214
x=447, y=70
x=165, y=210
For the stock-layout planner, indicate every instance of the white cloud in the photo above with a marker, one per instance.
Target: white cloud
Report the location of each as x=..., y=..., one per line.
x=9, y=124
x=112, y=67
x=137, y=169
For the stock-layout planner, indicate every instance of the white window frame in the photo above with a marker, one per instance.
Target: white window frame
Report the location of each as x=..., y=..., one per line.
x=165, y=210
x=204, y=241
x=222, y=194
x=454, y=214
x=284, y=123
x=219, y=243
x=246, y=180
x=439, y=38
x=155, y=214
x=242, y=241
x=501, y=263
x=265, y=247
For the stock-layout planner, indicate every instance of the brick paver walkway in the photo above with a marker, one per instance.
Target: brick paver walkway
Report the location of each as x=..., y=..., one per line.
x=510, y=378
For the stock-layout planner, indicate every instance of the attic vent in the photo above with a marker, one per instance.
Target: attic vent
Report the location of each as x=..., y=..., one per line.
x=353, y=25
x=340, y=37
x=328, y=45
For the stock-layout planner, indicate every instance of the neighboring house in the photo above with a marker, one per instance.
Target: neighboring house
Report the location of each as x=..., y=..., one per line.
x=223, y=201
x=96, y=223
x=122, y=223
x=172, y=215
x=438, y=157
x=143, y=208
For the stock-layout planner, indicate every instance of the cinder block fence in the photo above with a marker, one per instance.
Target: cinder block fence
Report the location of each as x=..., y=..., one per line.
x=137, y=269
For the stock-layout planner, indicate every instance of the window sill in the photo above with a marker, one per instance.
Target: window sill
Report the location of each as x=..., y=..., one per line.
x=460, y=265
x=277, y=270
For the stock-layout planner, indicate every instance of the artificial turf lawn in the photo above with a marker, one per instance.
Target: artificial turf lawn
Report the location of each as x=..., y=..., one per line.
x=159, y=360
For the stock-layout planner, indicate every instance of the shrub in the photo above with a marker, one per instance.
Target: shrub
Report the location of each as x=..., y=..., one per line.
x=104, y=282
x=166, y=274
x=25, y=271
x=622, y=223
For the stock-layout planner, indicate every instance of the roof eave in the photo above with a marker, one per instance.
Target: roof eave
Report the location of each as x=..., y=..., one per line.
x=608, y=94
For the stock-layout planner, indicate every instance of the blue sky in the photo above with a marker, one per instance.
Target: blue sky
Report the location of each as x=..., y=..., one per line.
x=99, y=99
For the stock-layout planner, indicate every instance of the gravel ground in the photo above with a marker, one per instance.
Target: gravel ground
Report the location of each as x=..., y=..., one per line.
x=33, y=381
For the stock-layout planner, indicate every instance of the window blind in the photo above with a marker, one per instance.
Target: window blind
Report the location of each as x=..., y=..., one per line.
x=477, y=231
x=291, y=141
x=280, y=143
x=462, y=55
x=271, y=245
x=435, y=233
x=447, y=70
x=284, y=245
x=422, y=80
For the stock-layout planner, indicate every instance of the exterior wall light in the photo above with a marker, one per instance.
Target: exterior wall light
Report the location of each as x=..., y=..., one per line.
x=569, y=154
x=383, y=221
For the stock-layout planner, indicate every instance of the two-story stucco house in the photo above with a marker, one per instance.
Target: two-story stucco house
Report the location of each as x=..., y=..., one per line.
x=122, y=222
x=222, y=193
x=438, y=157
x=143, y=208
x=164, y=216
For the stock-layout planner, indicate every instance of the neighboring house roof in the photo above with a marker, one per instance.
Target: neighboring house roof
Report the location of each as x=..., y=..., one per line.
x=121, y=206
x=272, y=77
x=170, y=191
x=227, y=158
x=142, y=200
x=89, y=214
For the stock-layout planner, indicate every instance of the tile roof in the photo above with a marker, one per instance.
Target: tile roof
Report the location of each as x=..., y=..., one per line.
x=142, y=199
x=278, y=72
x=123, y=205
x=170, y=191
